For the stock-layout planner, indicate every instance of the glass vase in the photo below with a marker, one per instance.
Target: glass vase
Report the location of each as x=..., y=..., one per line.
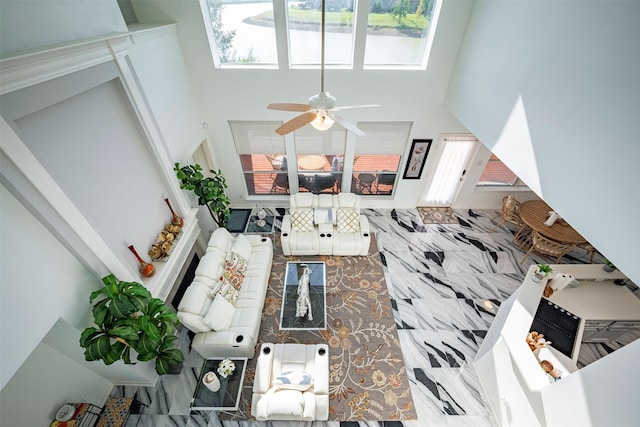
x=146, y=268
x=175, y=220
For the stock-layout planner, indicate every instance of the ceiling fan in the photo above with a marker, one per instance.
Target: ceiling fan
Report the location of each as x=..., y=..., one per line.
x=320, y=107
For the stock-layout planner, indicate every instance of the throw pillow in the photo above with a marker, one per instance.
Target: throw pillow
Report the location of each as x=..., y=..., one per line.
x=236, y=262
x=228, y=292
x=302, y=219
x=220, y=314
x=242, y=246
x=293, y=380
x=348, y=221
x=231, y=279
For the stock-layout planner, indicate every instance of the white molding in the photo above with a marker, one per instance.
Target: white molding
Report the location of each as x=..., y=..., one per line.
x=31, y=68
x=142, y=32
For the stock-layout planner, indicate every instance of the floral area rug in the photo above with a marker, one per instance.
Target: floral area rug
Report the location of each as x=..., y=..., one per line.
x=367, y=376
x=437, y=216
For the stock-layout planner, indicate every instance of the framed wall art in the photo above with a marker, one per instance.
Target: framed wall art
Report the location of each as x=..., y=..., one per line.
x=417, y=158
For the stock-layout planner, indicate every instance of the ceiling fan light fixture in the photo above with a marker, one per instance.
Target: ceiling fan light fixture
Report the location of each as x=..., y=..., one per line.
x=322, y=121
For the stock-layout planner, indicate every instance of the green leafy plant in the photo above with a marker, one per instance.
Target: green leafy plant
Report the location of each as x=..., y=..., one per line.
x=545, y=268
x=210, y=190
x=127, y=317
x=609, y=266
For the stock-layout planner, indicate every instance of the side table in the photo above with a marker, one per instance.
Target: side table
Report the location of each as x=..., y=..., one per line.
x=227, y=398
x=254, y=227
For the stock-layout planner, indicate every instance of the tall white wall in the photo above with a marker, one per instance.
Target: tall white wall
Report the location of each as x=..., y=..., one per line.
x=552, y=89
x=157, y=58
x=40, y=282
x=31, y=24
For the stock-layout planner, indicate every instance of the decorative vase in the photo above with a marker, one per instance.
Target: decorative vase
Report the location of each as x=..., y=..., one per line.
x=261, y=216
x=146, y=268
x=175, y=220
x=211, y=381
x=538, y=276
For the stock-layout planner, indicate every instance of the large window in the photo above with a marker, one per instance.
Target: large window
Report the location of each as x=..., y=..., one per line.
x=320, y=159
x=244, y=33
x=377, y=157
x=262, y=156
x=497, y=173
x=398, y=33
x=304, y=19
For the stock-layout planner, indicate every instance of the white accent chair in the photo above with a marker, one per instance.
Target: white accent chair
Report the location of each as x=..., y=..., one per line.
x=294, y=240
x=291, y=382
x=350, y=242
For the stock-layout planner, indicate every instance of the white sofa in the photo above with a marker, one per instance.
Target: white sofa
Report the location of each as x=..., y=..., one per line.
x=291, y=382
x=226, y=320
x=304, y=232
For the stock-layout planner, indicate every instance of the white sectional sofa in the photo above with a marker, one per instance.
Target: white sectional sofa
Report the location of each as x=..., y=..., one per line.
x=325, y=224
x=226, y=320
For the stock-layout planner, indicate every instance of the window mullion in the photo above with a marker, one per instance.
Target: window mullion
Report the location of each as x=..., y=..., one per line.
x=282, y=34
x=360, y=33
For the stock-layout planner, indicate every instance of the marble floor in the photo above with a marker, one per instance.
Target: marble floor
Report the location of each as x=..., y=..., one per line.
x=446, y=283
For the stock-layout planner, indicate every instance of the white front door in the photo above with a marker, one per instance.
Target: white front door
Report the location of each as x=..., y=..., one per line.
x=443, y=185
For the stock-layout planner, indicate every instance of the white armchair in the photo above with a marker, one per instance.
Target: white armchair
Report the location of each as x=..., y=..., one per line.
x=299, y=236
x=352, y=236
x=291, y=382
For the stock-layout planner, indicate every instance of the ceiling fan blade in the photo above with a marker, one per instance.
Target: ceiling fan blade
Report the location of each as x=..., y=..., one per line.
x=296, y=123
x=290, y=107
x=348, y=126
x=349, y=107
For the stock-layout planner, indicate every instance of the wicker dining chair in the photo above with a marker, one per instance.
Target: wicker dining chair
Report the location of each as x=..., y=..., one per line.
x=591, y=250
x=545, y=246
x=509, y=213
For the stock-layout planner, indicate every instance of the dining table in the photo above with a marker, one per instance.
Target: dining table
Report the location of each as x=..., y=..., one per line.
x=312, y=162
x=535, y=213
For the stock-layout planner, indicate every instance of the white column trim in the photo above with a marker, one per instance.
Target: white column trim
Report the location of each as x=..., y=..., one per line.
x=151, y=131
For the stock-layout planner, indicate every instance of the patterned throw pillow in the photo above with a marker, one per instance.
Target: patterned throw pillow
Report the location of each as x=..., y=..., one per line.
x=231, y=279
x=236, y=262
x=294, y=380
x=348, y=221
x=302, y=219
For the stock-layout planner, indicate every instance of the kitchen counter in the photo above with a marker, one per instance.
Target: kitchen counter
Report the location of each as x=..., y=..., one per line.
x=509, y=373
x=599, y=300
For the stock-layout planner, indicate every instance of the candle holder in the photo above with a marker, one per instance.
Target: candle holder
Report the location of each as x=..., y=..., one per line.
x=146, y=268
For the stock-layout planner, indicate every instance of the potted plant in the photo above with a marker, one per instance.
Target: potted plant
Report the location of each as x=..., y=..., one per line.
x=210, y=190
x=542, y=270
x=608, y=266
x=127, y=317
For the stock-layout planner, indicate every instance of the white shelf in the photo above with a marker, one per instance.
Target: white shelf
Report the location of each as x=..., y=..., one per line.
x=162, y=281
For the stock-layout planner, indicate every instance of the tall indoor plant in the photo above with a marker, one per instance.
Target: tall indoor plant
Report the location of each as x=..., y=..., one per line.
x=127, y=317
x=210, y=190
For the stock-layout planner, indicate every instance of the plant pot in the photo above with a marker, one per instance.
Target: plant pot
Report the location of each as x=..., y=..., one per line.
x=211, y=381
x=538, y=276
